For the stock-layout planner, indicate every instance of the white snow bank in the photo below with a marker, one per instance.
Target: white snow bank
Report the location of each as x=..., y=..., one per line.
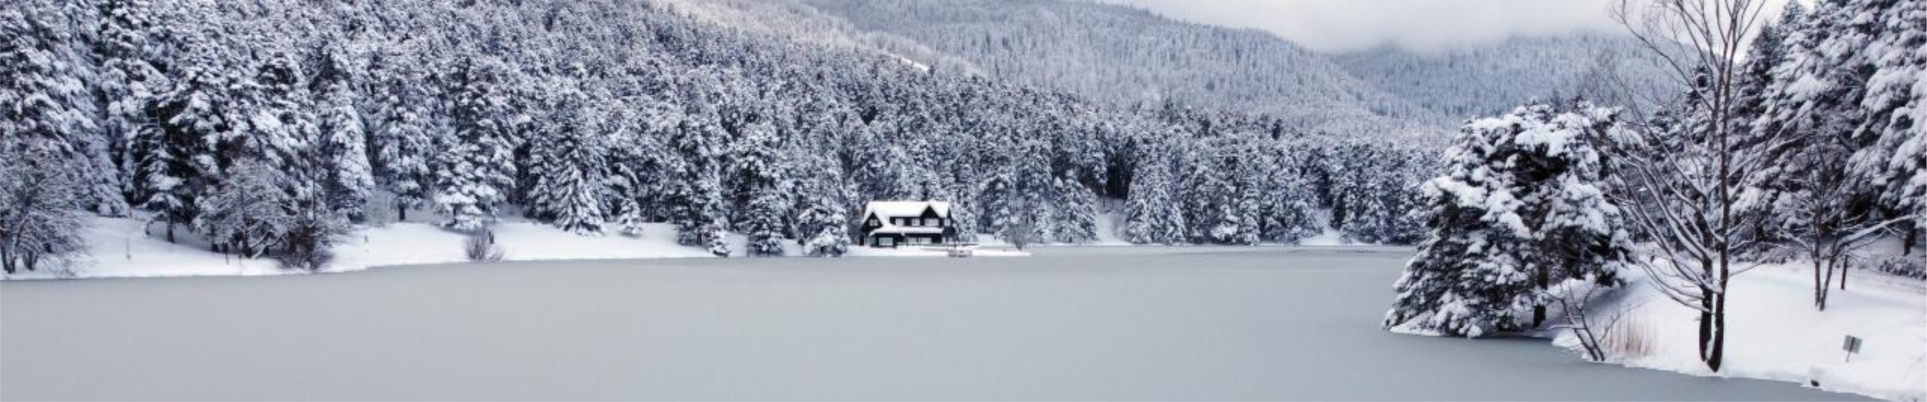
x=909, y=251
x=1777, y=334
x=120, y=248
x=1330, y=237
x=421, y=243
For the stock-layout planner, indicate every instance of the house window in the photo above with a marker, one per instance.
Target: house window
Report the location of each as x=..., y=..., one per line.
x=873, y=222
x=887, y=241
x=919, y=240
x=930, y=221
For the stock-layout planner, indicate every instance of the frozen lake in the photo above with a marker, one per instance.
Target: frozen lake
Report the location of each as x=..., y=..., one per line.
x=1183, y=324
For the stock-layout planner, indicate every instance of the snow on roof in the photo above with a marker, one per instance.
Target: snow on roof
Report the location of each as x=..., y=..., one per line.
x=893, y=229
x=888, y=209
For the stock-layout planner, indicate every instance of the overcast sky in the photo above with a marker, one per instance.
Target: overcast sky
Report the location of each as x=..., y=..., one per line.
x=1340, y=25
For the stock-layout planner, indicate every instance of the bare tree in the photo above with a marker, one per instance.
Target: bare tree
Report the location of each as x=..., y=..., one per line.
x=1685, y=188
x=1823, y=222
x=38, y=220
x=1575, y=300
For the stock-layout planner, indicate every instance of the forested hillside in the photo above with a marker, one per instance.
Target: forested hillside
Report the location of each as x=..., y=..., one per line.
x=1486, y=80
x=269, y=128
x=1124, y=56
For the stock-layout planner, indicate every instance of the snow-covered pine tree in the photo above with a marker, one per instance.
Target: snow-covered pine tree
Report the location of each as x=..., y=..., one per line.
x=761, y=169
x=695, y=195
x=634, y=166
x=38, y=89
x=1001, y=202
x=193, y=114
x=1892, y=156
x=1213, y=202
x=1523, y=202
x=409, y=127
x=581, y=183
x=1075, y=214
x=1289, y=203
x=59, y=33
x=348, y=179
x=1347, y=166
x=821, y=224
x=472, y=178
x=1396, y=216
x=277, y=110
x=718, y=237
x=569, y=166
x=822, y=190
x=1252, y=172
x=130, y=85
x=1152, y=214
x=1758, y=109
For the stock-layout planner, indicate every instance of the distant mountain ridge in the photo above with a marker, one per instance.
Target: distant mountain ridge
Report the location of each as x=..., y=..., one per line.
x=1494, y=78
x=1127, y=56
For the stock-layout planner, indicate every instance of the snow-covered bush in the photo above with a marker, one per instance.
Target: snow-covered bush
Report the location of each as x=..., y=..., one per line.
x=831, y=242
x=310, y=239
x=1911, y=267
x=1522, y=205
x=481, y=247
x=718, y=240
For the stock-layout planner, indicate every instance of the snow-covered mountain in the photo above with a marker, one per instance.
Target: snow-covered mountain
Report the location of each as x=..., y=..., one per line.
x=1125, y=55
x=1128, y=56
x=1492, y=79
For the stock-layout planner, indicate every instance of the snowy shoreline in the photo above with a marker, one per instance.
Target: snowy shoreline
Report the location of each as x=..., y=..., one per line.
x=121, y=248
x=130, y=248
x=1778, y=335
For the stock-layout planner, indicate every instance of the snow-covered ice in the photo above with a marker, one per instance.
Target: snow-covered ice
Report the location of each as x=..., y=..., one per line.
x=1108, y=323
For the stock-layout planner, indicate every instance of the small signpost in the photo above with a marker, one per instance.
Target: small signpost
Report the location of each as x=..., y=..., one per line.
x=1852, y=346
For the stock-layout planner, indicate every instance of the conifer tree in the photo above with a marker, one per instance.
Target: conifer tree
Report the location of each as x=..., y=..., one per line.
x=1523, y=202
x=473, y=177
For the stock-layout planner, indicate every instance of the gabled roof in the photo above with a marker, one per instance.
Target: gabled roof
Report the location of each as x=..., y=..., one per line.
x=888, y=209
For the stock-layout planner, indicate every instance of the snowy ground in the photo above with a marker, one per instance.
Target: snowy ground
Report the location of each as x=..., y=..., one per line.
x=120, y=248
x=130, y=248
x=1777, y=334
x=1084, y=323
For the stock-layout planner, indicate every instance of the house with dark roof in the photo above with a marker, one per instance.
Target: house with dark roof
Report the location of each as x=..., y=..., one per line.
x=897, y=223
